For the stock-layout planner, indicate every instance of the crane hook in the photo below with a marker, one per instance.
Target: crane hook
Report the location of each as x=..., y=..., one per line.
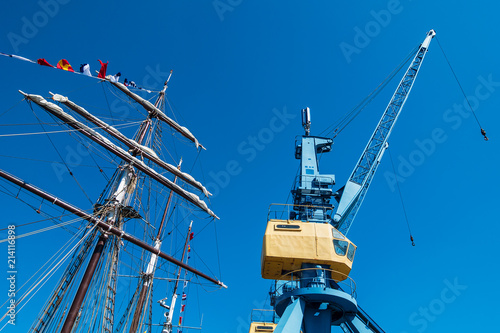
x=412, y=242
x=483, y=132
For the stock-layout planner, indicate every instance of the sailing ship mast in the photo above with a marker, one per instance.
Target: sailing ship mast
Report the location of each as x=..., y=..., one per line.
x=110, y=214
x=148, y=275
x=120, y=198
x=167, y=326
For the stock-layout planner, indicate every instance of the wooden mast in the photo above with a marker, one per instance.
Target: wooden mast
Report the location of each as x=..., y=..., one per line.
x=148, y=276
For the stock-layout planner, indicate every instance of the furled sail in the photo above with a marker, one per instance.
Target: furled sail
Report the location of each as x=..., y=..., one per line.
x=124, y=155
x=146, y=152
x=157, y=113
x=105, y=226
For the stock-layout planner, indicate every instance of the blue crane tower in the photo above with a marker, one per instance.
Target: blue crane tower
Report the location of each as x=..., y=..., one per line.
x=305, y=248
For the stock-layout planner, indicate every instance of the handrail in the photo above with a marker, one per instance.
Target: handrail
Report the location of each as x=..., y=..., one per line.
x=295, y=280
x=287, y=210
x=262, y=315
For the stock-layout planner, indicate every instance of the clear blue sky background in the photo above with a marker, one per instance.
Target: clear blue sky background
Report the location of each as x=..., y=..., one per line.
x=234, y=70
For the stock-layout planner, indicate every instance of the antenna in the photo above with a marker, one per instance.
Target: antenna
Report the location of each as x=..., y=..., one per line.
x=306, y=120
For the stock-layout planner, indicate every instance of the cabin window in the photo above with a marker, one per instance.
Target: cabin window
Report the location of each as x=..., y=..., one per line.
x=337, y=234
x=340, y=247
x=350, y=252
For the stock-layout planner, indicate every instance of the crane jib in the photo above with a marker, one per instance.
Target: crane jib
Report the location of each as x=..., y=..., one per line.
x=366, y=167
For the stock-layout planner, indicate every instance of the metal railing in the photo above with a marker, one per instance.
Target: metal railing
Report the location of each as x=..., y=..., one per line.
x=347, y=285
x=263, y=316
x=282, y=212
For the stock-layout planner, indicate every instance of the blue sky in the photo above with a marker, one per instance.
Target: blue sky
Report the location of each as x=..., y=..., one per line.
x=242, y=72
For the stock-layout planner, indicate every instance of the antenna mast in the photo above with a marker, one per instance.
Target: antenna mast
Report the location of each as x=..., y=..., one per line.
x=306, y=120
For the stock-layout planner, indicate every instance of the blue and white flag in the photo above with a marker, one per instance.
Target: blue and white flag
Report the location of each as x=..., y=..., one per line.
x=85, y=69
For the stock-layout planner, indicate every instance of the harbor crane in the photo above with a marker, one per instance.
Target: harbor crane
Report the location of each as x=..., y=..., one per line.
x=305, y=247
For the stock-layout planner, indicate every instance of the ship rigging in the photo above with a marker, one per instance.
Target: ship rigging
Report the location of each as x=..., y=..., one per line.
x=88, y=296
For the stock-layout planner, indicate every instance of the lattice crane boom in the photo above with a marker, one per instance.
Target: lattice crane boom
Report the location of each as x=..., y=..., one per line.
x=355, y=189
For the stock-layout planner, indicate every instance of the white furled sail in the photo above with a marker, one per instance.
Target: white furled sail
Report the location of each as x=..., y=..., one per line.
x=145, y=151
x=124, y=155
x=157, y=113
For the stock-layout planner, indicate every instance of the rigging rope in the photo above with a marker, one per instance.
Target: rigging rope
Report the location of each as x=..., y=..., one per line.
x=107, y=102
x=51, y=259
x=112, y=89
x=29, y=223
x=81, y=87
x=171, y=106
x=60, y=156
x=401, y=198
x=47, y=275
x=217, y=248
x=126, y=125
x=52, y=162
x=91, y=153
x=60, y=225
x=13, y=106
x=57, y=265
x=483, y=132
x=34, y=207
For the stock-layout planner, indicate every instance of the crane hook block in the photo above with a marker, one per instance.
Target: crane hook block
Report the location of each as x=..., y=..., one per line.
x=483, y=132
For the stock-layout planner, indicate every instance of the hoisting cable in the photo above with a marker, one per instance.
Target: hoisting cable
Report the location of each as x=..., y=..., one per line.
x=483, y=132
x=290, y=193
x=348, y=117
x=401, y=197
